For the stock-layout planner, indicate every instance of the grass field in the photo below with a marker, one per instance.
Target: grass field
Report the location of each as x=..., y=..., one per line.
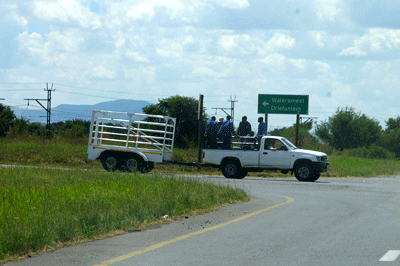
x=42, y=208
x=73, y=199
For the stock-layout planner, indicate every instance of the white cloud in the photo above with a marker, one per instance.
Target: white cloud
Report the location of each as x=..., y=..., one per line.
x=319, y=37
x=376, y=40
x=136, y=57
x=281, y=42
x=103, y=73
x=32, y=43
x=275, y=62
x=329, y=10
x=322, y=67
x=70, y=41
x=66, y=12
x=235, y=4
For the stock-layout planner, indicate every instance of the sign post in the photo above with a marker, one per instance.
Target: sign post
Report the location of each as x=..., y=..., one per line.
x=283, y=104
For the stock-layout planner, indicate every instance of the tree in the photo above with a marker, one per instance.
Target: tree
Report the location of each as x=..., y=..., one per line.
x=306, y=140
x=185, y=110
x=348, y=130
x=391, y=136
x=6, y=119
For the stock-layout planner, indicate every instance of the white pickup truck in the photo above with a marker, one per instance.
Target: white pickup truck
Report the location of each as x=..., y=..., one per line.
x=275, y=153
x=130, y=141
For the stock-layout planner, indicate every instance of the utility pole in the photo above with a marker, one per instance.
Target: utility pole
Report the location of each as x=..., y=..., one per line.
x=200, y=131
x=232, y=108
x=48, y=109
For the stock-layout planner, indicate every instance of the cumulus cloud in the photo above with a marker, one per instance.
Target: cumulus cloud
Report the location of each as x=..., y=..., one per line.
x=103, y=73
x=281, y=42
x=236, y=4
x=376, y=40
x=32, y=43
x=66, y=12
x=329, y=10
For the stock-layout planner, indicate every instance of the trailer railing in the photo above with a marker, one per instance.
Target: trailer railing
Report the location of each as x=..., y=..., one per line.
x=132, y=130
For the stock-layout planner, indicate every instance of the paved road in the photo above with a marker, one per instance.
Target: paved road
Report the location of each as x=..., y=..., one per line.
x=334, y=221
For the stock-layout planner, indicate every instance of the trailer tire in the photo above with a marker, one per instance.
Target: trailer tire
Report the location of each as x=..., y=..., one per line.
x=231, y=169
x=131, y=164
x=110, y=163
x=146, y=167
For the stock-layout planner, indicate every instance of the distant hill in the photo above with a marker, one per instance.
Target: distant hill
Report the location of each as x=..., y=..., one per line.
x=65, y=112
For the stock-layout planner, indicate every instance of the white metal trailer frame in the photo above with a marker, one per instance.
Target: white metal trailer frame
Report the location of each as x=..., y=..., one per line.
x=150, y=136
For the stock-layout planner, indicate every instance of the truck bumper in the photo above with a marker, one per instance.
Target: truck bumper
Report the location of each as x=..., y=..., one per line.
x=321, y=166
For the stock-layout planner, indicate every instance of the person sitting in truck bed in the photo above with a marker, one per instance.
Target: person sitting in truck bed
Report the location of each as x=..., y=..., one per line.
x=225, y=132
x=211, y=133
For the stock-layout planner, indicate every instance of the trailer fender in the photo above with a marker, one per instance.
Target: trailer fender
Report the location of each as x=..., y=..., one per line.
x=121, y=154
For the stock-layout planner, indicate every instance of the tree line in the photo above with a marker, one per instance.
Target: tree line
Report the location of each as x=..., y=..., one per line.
x=346, y=129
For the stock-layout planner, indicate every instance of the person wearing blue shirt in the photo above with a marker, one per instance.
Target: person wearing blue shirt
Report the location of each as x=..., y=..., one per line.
x=225, y=132
x=262, y=129
x=211, y=133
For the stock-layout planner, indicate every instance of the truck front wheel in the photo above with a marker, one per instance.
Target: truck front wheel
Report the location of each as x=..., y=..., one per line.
x=110, y=163
x=230, y=169
x=304, y=172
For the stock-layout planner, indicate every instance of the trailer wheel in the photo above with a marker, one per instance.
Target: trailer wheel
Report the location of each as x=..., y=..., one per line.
x=110, y=163
x=304, y=172
x=146, y=167
x=230, y=169
x=131, y=164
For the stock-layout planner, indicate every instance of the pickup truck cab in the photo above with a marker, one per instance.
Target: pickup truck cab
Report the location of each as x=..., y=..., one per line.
x=270, y=152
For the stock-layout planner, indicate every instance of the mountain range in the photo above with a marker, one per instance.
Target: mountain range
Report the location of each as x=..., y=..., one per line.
x=66, y=112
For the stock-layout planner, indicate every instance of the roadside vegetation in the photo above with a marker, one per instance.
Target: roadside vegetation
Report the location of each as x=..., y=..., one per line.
x=43, y=208
x=64, y=198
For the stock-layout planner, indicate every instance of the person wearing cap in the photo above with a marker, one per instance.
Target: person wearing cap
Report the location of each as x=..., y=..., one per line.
x=225, y=132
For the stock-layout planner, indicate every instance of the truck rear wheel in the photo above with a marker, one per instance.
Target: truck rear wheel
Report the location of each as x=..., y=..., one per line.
x=304, y=172
x=231, y=169
x=110, y=163
x=242, y=174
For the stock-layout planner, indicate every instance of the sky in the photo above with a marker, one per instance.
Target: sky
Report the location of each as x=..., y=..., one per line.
x=339, y=53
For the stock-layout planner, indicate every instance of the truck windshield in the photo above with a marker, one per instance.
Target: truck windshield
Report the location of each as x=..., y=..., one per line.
x=289, y=144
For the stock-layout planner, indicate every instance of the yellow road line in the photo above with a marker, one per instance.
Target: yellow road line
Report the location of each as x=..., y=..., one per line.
x=159, y=245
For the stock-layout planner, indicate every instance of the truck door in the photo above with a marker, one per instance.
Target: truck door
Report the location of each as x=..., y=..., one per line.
x=274, y=154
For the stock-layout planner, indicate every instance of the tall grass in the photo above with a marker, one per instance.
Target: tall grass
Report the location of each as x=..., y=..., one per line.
x=347, y=166
x=41, y=207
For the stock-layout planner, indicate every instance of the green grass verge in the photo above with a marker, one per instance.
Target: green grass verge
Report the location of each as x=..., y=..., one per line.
x=73, y=154
x=42, y=207
x=346, y=166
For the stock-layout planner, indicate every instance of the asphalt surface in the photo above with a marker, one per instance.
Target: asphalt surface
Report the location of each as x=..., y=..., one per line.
x=333, y=221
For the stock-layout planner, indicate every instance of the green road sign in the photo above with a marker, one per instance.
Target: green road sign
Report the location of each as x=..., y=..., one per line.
x=282, y=104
